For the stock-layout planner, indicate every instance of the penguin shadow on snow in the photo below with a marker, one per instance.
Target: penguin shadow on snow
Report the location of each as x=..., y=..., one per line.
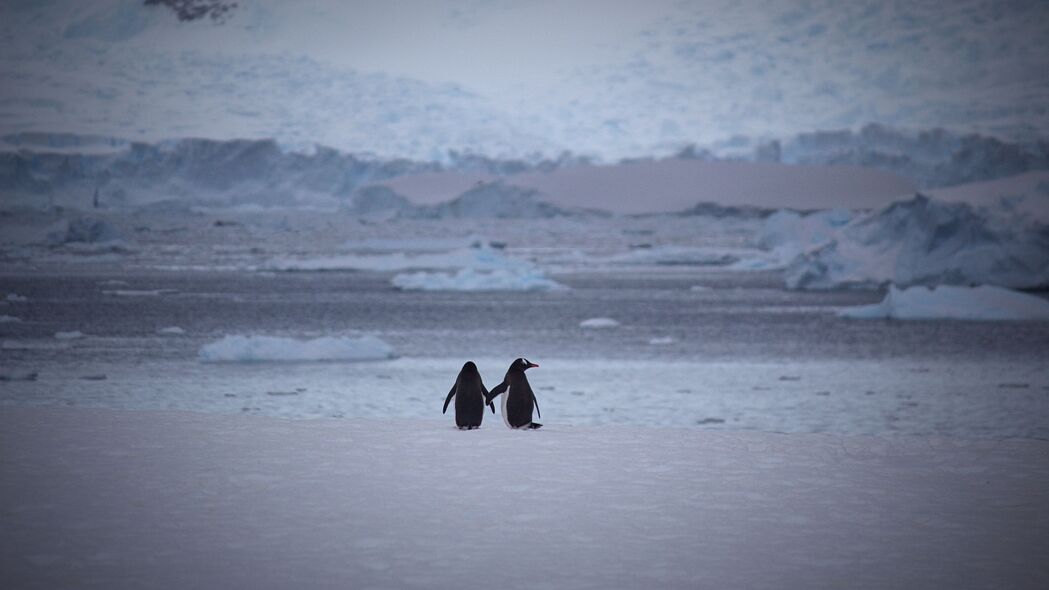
x=471, y=396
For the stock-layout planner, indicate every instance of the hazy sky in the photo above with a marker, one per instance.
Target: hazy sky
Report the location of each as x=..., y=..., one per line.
x=610, y=78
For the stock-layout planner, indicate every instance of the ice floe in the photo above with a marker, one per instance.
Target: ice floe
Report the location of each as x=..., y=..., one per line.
x=599, y=323
x=526, y=278
x=985, y=302
x=238, y=348
x=9, y=319
x=171, y=331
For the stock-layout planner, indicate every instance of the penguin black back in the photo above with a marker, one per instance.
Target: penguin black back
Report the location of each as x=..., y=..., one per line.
x=470, y=395
x=518, y=399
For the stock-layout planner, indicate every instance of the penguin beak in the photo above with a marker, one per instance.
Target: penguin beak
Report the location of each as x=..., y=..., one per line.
x=532, y=365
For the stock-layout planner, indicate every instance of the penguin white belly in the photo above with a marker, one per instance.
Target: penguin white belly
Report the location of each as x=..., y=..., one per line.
x=502, y=407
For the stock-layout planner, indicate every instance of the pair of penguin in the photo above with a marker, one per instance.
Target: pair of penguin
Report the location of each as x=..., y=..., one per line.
x=471, y=396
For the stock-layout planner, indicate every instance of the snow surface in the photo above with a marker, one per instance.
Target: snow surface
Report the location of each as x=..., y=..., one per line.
x=526, y=278
x=954, y=303
x=104, y=499
x=599, y=323
x=272, y=348
x=923, y=241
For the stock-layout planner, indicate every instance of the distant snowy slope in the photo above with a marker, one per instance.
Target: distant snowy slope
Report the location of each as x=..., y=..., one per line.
x=413, y=79
x=115, y=499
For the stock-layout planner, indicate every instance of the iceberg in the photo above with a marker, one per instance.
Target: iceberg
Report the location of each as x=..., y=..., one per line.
x=923, y=241
x=985, y=302
x=787, y=233
x=599, y=323
x=239, y=348
x=469, y=279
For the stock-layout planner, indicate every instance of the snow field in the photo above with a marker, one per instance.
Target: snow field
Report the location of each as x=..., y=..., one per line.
x=174, y=500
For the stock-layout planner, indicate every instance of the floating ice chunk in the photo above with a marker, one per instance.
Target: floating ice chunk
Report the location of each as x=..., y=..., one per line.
x=271, y=348
x=959, y=303
x=9, y=319
x=72, y=335
x=923, y=241
x=700, y=288
x=599, y=323
x=171, y=330
x=16, y=298
x=468, y=279
x=113, y=283
x=662, y=340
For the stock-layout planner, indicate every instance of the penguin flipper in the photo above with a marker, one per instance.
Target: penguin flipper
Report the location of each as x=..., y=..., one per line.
x=487, y=397
x=448, y=399
x=496, y=391
x=538, y=414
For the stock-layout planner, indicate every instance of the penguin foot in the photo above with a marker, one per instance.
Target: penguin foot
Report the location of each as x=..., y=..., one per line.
x=535, y=426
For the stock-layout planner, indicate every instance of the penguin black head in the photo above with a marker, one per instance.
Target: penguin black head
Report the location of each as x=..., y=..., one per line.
x=469, y=367
x=522, y=365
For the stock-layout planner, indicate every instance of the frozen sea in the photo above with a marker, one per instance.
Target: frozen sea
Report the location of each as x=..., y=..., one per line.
x=696, y=345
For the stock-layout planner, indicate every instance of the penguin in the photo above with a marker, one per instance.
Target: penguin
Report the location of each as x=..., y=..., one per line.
x=518, y=399
x=471, y=397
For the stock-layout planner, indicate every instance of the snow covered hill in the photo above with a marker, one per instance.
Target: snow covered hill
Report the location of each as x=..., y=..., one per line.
x=410, y=79
x=105, y=499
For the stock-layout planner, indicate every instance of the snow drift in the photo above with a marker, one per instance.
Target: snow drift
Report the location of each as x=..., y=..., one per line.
x=923, y=241
x=956, y=303
x=271, y=348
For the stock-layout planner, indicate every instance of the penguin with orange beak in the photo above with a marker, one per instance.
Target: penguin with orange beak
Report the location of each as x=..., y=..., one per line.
x=518, y=399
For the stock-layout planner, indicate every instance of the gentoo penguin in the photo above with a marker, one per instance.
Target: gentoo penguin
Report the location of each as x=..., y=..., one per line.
x=518, y=399
x=470, y=398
